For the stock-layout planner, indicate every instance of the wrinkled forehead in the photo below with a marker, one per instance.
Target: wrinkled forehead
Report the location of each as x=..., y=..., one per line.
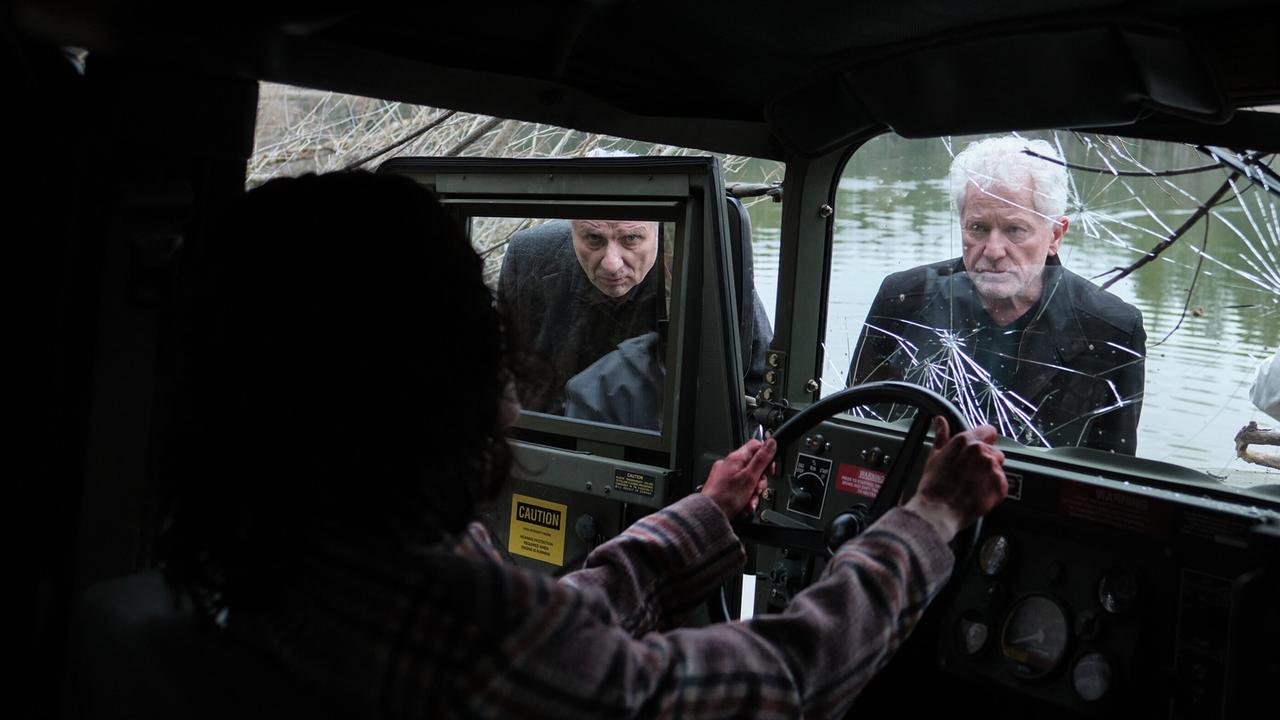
x=615, y=227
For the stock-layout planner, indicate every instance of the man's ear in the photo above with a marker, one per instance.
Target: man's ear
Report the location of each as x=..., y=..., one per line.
x=1058, y=228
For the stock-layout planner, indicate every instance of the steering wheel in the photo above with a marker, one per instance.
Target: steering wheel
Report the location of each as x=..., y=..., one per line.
x=893, y=490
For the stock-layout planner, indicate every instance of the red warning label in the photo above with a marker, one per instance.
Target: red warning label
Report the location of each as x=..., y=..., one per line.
x=1117, y=509
x=859, y=480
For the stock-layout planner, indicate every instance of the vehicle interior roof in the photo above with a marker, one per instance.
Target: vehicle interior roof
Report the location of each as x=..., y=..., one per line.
x=756, y=78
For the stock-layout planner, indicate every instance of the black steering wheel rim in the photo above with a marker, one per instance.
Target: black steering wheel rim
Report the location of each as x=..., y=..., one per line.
x=929, y=405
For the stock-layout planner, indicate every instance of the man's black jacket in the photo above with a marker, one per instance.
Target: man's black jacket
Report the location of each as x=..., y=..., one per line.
x=1078, y=376
x=562, y=323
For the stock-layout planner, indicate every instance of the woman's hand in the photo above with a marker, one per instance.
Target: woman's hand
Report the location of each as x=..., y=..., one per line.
x=963, y=479
x=736, y=481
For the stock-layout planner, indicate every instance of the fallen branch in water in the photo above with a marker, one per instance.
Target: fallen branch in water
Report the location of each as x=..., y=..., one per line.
x=1251, y=434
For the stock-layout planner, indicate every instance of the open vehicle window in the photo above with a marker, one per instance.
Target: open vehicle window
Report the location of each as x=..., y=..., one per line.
x=617, y=281
x=587, y=302
x=1127, y=314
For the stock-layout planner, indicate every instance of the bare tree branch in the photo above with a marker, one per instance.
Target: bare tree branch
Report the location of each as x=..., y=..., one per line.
x=1165, y=244
x=1124, y=173
x=437, y=122
x=473, y=136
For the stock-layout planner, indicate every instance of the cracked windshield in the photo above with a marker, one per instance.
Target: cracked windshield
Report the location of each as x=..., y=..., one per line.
x=1072, y=290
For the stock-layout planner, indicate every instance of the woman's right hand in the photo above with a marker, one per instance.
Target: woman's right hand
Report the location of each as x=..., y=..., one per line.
x=963, y=479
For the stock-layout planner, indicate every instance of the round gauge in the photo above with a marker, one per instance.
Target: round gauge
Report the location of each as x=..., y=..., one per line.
x=972, y=632
x=1118, y=591
x=1034, y=637
x=1091, y=676
x=993, y=556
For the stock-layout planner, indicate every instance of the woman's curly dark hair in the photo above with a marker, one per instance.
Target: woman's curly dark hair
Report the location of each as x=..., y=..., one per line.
x=343, y=371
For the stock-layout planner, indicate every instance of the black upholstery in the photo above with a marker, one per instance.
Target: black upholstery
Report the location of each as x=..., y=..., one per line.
x=137, y=654
x=743, y=273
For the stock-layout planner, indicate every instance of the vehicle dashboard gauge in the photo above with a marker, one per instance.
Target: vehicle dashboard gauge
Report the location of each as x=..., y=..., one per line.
x=1034, y=637
x=993, y=556
x=972, y=632
x=1091, y=676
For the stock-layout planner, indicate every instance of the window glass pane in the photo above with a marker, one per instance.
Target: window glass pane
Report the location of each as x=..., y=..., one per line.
x=985, y=280
x=587, y=302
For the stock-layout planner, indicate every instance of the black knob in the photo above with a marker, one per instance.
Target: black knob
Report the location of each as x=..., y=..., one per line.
x=1088, y=626
x=802, y=500
x=806, y=492
x=845, y=526
x=874, y=457
x=586, y=529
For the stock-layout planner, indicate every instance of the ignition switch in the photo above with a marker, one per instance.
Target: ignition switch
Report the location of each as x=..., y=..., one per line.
x=809, y=485
x=806, y=492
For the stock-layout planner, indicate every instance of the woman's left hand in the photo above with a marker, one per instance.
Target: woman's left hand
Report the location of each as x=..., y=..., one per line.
x=736, y=481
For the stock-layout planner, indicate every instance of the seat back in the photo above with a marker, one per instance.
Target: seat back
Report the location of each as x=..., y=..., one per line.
x=137, y=654
x=743, y=275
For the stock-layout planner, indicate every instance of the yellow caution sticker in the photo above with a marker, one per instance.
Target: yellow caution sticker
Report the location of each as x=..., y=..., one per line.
x=537, y=529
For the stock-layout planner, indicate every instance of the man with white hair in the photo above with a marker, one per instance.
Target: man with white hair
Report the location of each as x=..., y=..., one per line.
x=1005, y=330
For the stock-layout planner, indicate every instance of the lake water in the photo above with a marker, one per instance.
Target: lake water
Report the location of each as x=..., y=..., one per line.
x=893, y=213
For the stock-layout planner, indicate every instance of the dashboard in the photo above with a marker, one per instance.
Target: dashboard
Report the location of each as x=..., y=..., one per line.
x=1087, y=593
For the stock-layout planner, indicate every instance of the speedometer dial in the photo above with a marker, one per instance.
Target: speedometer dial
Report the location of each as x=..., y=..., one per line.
x=1034, y=637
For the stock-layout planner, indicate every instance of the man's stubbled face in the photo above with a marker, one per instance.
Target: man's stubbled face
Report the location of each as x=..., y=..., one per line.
x=1006, y=243
x=615, y=254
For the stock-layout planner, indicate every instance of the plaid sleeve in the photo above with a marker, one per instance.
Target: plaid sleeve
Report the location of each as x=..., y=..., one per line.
x=663, y=565
x=556, y=651
x=838, y=633
x=477, y=542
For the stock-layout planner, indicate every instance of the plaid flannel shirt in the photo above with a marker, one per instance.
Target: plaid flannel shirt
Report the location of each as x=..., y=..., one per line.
x=454, y=632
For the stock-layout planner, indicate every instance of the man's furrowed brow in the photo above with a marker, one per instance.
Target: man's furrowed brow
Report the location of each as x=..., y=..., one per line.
x=1008, y=209
x=636, y=227
x=595, y=226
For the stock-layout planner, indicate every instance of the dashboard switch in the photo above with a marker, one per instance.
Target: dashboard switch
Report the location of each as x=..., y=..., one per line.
x=1087, y=625
x=873, y=457
x=1118, y=591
